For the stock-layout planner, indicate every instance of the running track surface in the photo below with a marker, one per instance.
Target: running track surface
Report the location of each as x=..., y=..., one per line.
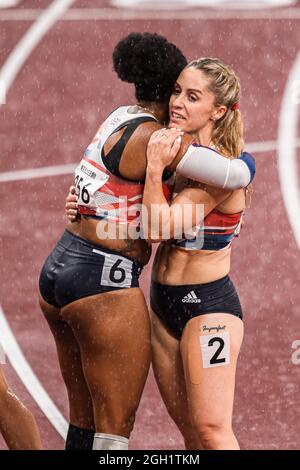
x=53, y=109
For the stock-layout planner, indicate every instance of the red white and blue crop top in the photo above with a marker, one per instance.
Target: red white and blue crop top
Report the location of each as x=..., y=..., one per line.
x=216, y=233
x=102, y=192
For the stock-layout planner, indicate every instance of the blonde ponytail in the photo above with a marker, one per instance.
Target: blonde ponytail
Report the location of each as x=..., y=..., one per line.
x=228, y=133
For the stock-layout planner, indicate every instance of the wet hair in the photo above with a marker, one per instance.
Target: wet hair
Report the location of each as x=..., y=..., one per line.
x=224, y=84
x=150, y=62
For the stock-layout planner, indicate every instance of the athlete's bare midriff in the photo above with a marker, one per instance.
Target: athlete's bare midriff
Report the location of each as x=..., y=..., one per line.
x=176, y=266
x=92, y=230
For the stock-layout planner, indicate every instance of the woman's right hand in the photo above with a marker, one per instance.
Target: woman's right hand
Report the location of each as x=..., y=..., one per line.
x=71, y=204
x=162, y=148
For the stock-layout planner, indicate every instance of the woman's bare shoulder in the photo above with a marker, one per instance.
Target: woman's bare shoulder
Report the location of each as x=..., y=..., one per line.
x=134, y=162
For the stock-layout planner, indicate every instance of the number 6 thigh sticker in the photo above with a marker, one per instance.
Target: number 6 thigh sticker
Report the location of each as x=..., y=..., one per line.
x=215, y=350
x=117, y=272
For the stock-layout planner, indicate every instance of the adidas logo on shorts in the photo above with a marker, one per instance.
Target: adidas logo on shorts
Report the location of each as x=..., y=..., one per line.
x=191, y=298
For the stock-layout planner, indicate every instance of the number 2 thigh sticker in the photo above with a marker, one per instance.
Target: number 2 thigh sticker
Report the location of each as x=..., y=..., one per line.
x=215, y=350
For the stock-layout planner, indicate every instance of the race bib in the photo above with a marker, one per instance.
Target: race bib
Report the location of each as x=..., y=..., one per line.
x=88, y=179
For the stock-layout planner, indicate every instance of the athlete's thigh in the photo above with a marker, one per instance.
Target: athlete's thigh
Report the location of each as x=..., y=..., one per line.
x=69, y=356
x=210, y=347
x=169, y=375
x=113, y=330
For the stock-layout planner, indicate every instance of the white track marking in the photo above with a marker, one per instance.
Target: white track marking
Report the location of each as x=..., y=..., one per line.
x=184, y=4
x=287, y=151
x=9, y=3
x=266, y=146
x=109, y=14
x=37, y=172
x=28, y=377
x=30, y=40
x=2, y=93
x=43, y=172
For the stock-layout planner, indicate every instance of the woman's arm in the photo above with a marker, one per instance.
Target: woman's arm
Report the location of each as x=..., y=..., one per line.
x=192, y=161
x=71, y=204
x=162, y=221
x=208, y=166
x=200, y=164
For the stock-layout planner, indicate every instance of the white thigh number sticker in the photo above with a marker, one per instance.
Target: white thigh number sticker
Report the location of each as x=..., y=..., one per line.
x=215, y=350
x=117, y=271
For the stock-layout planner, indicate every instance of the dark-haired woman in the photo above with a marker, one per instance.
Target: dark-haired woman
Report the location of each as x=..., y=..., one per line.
x=89, y=286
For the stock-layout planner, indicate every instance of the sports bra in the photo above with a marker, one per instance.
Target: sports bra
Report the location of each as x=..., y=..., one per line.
x=216, y=233
x=103, y=193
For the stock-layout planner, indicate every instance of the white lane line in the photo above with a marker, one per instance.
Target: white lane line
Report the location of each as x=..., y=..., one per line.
x=30, y=40
x=28, y=377
x=287, y=150
x=9, y=3
x=37, y=172
x=107, y=14
x=184, y=4
x=266, y=146
x=57, y=170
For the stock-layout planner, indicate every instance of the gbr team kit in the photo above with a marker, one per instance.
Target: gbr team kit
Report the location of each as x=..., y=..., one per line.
x=77, y=268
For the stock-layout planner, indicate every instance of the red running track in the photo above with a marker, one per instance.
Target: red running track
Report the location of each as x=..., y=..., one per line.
x=53, y=110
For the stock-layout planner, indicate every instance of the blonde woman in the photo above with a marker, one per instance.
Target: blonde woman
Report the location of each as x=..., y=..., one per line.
x=197, y=326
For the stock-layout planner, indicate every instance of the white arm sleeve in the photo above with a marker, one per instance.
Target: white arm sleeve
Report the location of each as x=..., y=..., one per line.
x=208, y=166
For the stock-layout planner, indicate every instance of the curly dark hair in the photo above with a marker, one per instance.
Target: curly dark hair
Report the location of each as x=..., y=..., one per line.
x=150, y=62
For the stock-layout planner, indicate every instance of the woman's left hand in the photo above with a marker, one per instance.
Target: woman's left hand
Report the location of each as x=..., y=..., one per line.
x=162, y=148
x=71, y=204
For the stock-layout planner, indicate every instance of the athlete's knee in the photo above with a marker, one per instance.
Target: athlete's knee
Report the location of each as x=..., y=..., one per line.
x=198, y=436
x=212, y=434
x=119, y=422
x=192, y=442
x=82, y=417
